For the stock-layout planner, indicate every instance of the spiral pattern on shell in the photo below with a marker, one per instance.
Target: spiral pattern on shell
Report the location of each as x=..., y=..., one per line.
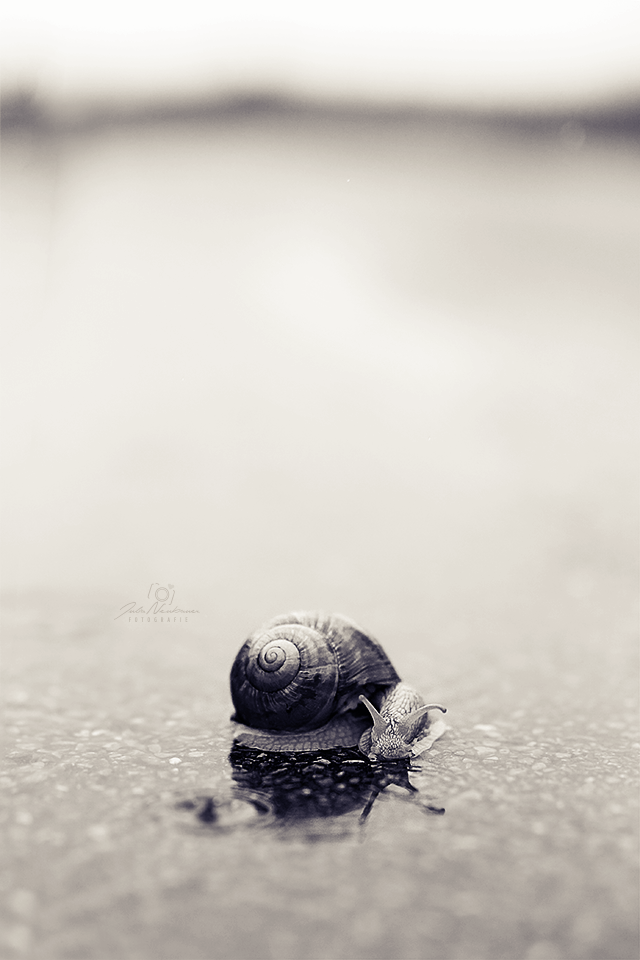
x=302, y=669
x=274, y=664
x=284, y=678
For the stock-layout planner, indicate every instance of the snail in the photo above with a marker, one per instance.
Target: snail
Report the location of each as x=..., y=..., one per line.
x=308, y=681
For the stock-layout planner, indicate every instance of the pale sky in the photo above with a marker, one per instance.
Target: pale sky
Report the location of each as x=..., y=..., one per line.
x=487, y=52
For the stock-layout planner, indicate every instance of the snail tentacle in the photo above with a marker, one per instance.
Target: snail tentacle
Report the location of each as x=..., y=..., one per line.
x=380, y=725
x=411, y=726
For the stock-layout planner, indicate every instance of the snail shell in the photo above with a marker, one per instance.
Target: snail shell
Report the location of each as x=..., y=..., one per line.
x=307, y=681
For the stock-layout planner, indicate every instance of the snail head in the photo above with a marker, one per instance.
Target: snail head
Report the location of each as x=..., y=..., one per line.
x=393, y=738
x=386, y=739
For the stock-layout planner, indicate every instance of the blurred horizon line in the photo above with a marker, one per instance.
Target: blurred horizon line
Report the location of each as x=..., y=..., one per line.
x=21, y=107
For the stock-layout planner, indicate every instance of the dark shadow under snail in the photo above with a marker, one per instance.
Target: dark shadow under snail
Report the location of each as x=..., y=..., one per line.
x=312, y=791
x=306, y=682
x=328, y=783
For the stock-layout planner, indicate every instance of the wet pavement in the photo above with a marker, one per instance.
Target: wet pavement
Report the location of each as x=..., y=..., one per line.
x=133, y=831
x=382, y=370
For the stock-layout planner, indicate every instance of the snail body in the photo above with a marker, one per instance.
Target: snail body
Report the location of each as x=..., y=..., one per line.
x=307, y=682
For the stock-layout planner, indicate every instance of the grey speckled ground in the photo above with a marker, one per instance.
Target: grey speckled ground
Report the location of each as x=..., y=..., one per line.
x=382, y=369
x=535, y=856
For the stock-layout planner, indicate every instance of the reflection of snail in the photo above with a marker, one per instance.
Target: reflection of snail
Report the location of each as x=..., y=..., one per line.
x=326, y=785
x=300, y=684
x=310, y=792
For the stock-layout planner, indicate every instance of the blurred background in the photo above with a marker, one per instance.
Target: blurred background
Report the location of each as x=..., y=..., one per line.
x=490, y=54
x=329, y=305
